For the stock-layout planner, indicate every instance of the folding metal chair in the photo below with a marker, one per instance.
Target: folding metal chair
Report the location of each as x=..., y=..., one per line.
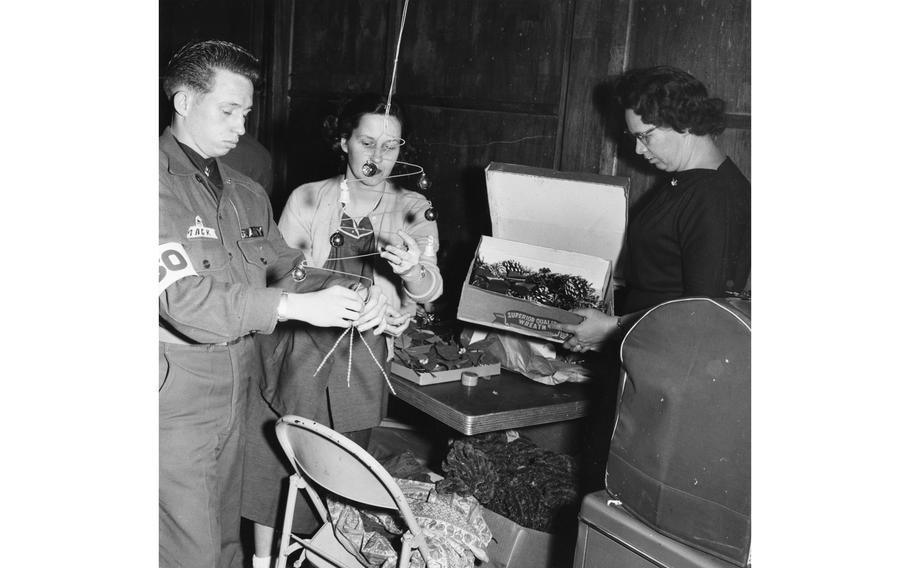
x=323, y=458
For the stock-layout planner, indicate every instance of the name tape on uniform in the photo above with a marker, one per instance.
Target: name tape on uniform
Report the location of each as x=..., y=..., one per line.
x=173, y=264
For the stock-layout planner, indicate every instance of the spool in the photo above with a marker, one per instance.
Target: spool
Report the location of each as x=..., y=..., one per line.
x=469, y=379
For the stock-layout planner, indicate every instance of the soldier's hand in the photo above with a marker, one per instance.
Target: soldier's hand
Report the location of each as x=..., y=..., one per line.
x=335, y=306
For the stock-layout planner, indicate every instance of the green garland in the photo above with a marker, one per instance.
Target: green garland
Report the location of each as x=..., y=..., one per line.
x=510, y=277
x=533, y=487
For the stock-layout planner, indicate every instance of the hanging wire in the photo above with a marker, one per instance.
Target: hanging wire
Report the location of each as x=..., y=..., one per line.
x=404, y=15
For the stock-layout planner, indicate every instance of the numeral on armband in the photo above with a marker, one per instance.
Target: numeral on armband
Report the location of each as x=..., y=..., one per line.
x=173, y=264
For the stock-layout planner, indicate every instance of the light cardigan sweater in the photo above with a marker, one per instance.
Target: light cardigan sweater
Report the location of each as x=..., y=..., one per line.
x=313, y=213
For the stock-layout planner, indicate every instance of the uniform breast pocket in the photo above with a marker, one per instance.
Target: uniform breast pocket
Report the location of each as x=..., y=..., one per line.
x=260, y=256
x=207, y=255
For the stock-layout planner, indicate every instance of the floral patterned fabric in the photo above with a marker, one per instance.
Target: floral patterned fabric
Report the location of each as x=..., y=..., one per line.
x=453, y=527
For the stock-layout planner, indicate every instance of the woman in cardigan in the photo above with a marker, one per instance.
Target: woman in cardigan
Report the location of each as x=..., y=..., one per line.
x=358, y=225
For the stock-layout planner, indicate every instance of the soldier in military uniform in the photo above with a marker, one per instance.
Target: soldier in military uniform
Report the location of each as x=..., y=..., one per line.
x=225, y=273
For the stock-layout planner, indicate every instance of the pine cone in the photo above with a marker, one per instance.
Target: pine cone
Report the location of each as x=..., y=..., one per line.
x=579, y=291
x=543, y=295
x=513, y=268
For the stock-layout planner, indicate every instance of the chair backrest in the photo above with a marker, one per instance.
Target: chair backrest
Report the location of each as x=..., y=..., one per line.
x=680, y=457
x=338, y=464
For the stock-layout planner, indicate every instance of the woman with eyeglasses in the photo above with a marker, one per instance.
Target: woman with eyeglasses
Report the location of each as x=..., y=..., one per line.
x=363, y=225
x=691, y=236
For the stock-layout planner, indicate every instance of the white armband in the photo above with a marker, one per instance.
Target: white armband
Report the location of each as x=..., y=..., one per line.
x=173, y=264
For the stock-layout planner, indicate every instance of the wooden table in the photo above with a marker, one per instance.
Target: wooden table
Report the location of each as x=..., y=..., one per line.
x=505, y=401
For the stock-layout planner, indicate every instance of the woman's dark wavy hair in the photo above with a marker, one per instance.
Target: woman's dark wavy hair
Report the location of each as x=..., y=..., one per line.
x=667, y=96
x=352, y=110
x=195, y=63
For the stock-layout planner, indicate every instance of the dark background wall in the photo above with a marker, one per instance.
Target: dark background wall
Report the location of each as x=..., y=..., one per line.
x=517, y=81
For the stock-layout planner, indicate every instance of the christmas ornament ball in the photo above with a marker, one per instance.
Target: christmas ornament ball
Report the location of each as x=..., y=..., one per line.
x=369, y=169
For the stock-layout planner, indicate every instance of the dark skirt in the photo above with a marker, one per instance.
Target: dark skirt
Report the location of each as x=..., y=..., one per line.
x=291, y=356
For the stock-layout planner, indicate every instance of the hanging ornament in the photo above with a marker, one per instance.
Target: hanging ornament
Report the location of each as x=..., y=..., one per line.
x=336, y=239
x=298, y=274
x=423, y=182
x=430, y=213
x=369, y=169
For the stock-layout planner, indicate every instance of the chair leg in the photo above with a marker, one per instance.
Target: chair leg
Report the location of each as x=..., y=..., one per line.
x=404, y=557
x=288, y=523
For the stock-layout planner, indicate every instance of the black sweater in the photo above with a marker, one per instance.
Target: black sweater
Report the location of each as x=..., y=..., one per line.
x=691, y=239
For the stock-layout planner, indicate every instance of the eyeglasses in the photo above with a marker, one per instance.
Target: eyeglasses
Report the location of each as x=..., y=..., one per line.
x=642, y=136
x=388, y=146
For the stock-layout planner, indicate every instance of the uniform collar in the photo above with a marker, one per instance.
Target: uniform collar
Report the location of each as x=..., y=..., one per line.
x=178, y=162
x=202, y=164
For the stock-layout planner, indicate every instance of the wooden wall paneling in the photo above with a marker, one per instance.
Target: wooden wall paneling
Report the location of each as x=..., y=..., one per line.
x=484, y=51
x=708, y=38
x=736, y=141
x=257, y=45
x=737, y=144
x=182, y=21
x=275, y=124
x=309, y=155
x=598, y=52
x=340, y=46
x=566, y=49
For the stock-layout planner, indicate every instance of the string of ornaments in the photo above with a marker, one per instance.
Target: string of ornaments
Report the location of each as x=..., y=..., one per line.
x=337, y=239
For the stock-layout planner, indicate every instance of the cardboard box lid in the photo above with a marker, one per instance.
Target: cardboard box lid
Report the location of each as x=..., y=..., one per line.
x=578, y=212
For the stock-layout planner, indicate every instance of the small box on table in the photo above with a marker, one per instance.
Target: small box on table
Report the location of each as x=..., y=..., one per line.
x=436, y=377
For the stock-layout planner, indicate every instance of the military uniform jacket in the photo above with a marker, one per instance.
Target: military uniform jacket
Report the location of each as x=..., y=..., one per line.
x=233, y=245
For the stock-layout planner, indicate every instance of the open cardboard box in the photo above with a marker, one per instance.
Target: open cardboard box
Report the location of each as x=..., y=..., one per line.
x=502, y=311
x=569, y=212
x=515, y=546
